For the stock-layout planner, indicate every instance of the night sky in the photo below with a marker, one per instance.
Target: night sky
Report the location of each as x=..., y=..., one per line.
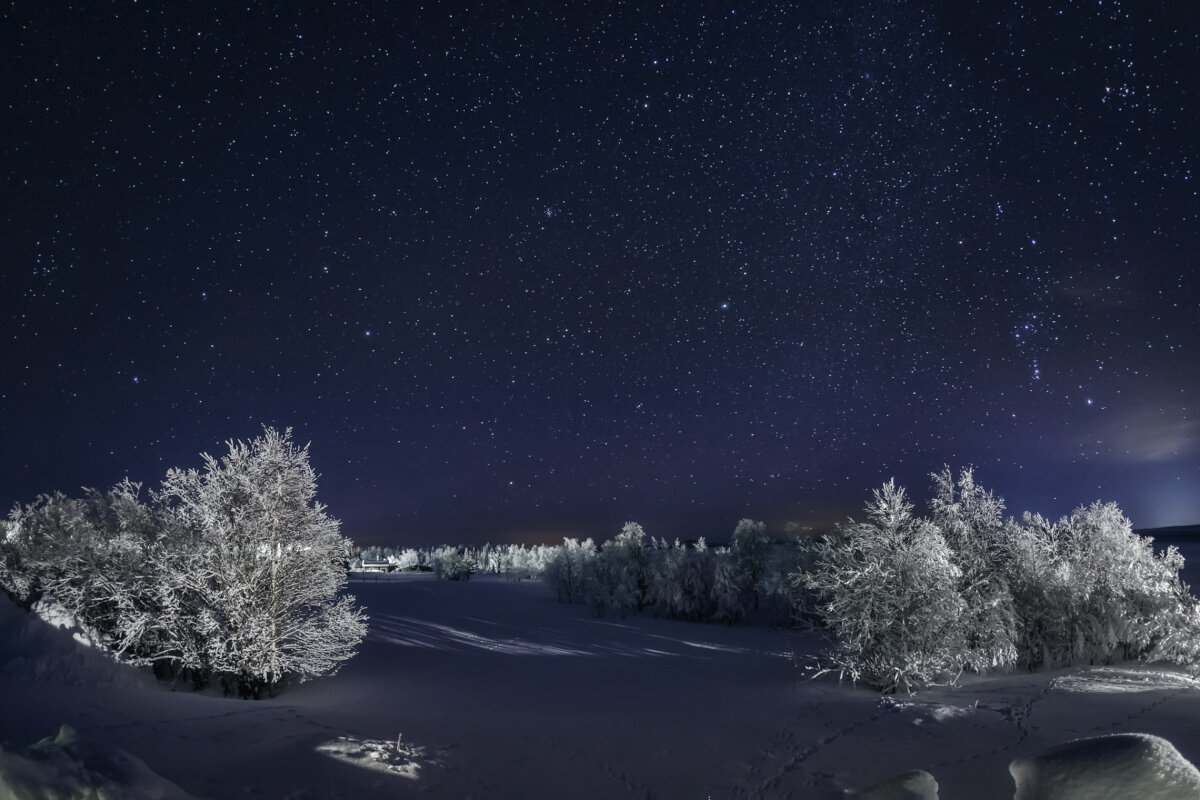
x=518, y=273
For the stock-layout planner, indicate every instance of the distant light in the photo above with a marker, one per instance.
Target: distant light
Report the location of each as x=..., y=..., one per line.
x=1089, y=401
x=368, y=333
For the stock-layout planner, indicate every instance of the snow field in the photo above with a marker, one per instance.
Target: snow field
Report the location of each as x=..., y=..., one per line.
x=495, y=690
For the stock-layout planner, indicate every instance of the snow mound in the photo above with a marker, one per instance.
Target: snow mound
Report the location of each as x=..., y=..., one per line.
x=393, y=757
x=923, y=712
x=914, y=785
x=45, y=646
x=67, y=768
x=1123, y=765
x=1124, y=680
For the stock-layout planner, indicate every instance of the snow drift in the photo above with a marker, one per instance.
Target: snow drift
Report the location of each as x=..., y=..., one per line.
x=65, y=767
x=1122, y=765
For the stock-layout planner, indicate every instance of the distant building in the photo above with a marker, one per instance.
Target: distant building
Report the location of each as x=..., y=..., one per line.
x=375, y=566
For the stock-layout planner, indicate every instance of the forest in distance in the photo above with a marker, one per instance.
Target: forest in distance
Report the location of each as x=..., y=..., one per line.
x=908, y=601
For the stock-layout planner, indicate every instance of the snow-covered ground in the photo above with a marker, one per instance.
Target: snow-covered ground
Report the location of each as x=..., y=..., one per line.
x=492, y=689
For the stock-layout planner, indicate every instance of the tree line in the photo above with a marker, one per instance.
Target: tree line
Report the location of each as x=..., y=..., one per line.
x=910, y=600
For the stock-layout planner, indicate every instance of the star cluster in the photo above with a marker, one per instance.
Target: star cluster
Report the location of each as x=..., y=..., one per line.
x=516, y=272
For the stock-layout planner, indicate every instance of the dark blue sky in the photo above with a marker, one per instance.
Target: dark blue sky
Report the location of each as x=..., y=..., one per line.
x=520, y=272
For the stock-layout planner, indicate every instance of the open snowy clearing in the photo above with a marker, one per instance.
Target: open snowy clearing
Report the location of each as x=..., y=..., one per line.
x=492, y=689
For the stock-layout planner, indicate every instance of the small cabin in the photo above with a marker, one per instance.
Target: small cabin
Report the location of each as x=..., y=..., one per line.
x=375, y=566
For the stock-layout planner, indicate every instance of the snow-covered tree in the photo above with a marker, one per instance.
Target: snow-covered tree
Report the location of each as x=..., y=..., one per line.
x=888, y=591
x=520, y=562
x=753, y=548
x=682, y=584
x=1088, y=589
x=970, y=518
x=451, y=564
x=606, y=583
x=100, y=559
x=566, y=571
x=407, y=560
x=265, y=589
x=728, y=579
x=634, y=555
x=791, y=601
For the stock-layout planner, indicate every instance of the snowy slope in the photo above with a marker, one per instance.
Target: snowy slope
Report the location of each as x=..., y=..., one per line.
x=495, y=690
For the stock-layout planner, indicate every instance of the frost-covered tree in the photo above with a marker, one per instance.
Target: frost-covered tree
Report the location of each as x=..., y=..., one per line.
x=406, y=561
x=728, y=579
x=912, y=599
x=792, y=602
x=753, y=548
x=1133, y=588
x=37, y=541
x=667, y=587
x=606, y=581
x=970, y=518
x=566, y=570
x=101, y=560
x=633, y=552
x=887, y=589
x=1089, y=589
x=451, y=564
x=683, y=579
x=265, y=586
x=522, y=562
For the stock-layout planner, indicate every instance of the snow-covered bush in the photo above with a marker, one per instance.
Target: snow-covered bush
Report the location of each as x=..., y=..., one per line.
x=102, y=559
x=451, y=564
x=28, y=552
x=888, y=591
x=234, y=571
x=631, y=571
x=912, y=600
x=1089, y=589
x=408, y=560
x=1180, y=643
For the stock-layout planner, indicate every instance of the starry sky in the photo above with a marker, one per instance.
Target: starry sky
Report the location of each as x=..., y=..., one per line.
x=525, y=271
